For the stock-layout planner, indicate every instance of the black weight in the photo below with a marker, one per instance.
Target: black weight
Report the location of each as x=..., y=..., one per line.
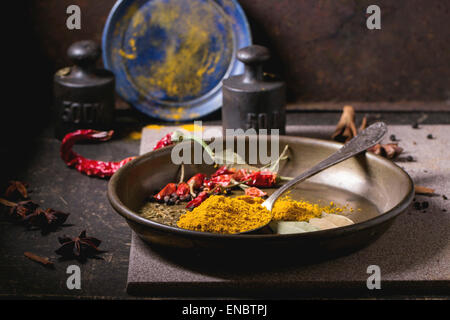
x=254, y=99
x=83, y=94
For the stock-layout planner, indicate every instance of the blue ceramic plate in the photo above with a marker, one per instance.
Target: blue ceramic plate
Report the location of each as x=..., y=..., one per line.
x=170, y=56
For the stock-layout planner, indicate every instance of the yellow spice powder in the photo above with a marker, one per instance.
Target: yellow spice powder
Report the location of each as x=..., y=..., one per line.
x=220, y=214
x=287, y=209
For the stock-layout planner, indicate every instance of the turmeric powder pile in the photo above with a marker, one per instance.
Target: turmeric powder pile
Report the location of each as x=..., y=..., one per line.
x=220, y=214
x=287, y=209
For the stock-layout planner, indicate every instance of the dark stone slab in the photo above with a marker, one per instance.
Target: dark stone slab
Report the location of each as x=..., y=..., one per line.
x=35, y=158
x=413, y=255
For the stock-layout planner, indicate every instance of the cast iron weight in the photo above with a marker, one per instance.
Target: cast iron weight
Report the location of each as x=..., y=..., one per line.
x=254, y=99
x=83, y=94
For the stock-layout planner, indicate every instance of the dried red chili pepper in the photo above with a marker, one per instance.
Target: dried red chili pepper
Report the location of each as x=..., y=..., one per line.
x=168, y=190
x=255, y=192
x=90, y=167
x=165, y=141
x=261, y=179
x=223, y=170
x=196, y=182
x=240, y=175
x=208, y=183
x=202, y=196
x=223, y=180
x=182, y=189
x=256, y=178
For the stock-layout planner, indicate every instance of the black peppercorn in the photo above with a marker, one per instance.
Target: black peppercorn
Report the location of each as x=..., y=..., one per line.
x=415, y=125
x=430, y=136
x=417, y=205
x=393, y=137
x=409, y=158
x=425, y=204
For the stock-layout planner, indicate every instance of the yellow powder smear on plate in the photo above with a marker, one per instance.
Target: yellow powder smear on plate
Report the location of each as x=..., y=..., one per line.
x=192, y=127
x=287, y=209
x=154, y=127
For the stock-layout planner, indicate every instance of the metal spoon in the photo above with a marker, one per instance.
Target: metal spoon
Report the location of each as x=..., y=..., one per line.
x=364, y=140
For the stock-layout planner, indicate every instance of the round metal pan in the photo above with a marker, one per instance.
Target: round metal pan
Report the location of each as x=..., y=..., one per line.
x=379, y=190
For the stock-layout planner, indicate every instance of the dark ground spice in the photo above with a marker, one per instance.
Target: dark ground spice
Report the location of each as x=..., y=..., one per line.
x=162, y=213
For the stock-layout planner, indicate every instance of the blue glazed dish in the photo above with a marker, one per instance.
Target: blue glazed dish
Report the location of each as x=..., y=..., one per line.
x=170, y=56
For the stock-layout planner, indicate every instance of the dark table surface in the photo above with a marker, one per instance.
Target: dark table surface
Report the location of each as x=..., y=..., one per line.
x=56, y=186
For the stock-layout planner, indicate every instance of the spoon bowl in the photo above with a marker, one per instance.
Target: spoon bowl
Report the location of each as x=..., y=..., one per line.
x=363, y=141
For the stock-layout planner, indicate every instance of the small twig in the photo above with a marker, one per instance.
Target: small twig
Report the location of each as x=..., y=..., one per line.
x=44, y=261
x=7, y=203
x=277, y=162
x=345, y=129
x=62, y=199
x=423, y=190
x=181, y=174
x=241, y=184
x=363, y=124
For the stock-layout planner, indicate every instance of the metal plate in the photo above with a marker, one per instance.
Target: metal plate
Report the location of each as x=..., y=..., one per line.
x=376, y=188
x=170, y=56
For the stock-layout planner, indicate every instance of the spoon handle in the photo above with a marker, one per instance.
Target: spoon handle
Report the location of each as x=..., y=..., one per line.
x=364, y=140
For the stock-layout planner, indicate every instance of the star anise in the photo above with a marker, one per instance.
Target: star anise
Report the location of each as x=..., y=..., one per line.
x=16, y=190
x=389, y=150
x=22, y=209
x=47, y=220
x=79, y=248
x=18, y=211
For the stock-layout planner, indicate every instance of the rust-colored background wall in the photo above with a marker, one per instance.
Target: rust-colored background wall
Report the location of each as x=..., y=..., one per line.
x=321, y=47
